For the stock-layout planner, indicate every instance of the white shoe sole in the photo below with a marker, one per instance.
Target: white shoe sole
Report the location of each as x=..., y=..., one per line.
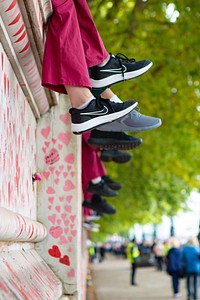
x=88, y=125
x=119, y=77
x=120, y=127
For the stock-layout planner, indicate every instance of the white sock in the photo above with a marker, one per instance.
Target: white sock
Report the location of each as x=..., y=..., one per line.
x=86, y=103
x=96, y=180
x=104, y=62
x=115, y=99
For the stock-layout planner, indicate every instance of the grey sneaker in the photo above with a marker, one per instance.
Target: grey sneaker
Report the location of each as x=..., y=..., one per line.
x=132, y=122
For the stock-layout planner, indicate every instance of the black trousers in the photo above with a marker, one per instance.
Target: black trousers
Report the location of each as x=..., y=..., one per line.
x=133, y=269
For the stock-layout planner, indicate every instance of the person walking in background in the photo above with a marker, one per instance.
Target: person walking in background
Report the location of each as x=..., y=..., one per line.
x=158, y=250
x=173, y=260
x=190, y=258
x=133, y=255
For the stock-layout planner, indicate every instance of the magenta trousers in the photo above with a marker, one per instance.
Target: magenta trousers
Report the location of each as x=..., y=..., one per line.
x=92, y=166
x=72, y=45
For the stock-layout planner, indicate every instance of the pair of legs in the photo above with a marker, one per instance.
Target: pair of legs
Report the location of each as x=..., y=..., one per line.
x=75, y=60
x=175, y=281
x=192, y=284
x=133, y=271
x=74, y=45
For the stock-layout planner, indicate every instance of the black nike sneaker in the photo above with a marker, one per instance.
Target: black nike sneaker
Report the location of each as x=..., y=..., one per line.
x=100, y=205
x=99, y=111
x=117, y=69
x=113, y=140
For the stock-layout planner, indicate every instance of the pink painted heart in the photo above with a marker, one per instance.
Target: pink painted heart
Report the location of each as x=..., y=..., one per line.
x=68, y=186
x=65, y=260
x=68, y=208
x=51, y=169
x=51, y=199
x=66, y=230
x=69, y=249
x=46, y=175
x=71, y=226
x=57, y=208
x=58, y=222
x=72, y=174
x=61, y=198
x=65, y=137
x=52, y=157
x=61, y=168
x=63, y=216
x=70, y=239
x=53, y=141
x=65, y=118
x=56, y=231
x=58, y=173
x=69, y=168
x=49, y=207
x=50, y=190
x=66, y=222
x=74, y=232
x=44, y=149
x=63, y=240
x=69, y=158
x=65, y=174
x=71, y=273
x=45, y=132
x=56, y=181
x=47, y=144
x=52, y=218
x=60, y=146
x=72, y=218
x=69, y=199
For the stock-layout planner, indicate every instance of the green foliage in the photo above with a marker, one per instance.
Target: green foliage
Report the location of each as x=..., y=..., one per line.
x=165, y=168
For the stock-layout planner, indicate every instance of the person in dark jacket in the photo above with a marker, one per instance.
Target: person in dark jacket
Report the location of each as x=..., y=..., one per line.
x=174, y=265
x=190, y=258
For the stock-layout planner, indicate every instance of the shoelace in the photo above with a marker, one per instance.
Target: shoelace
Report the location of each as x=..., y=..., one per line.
x=121, y=57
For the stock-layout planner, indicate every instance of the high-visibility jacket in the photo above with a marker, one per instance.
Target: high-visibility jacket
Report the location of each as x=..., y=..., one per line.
x=132, y=252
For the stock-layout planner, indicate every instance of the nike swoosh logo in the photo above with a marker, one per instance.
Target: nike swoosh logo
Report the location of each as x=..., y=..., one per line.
x=119, y=70
x=96, y=113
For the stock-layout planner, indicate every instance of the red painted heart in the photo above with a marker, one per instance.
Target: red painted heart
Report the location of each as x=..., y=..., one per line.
x=65, y=260
x=54, y=251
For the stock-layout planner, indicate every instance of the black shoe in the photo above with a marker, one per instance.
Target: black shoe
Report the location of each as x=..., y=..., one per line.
x=100, y=205
x=118, y=68
x=111, y=183
x=101, y=189
x=113, y=140
x=99, y=111
x=115, y=155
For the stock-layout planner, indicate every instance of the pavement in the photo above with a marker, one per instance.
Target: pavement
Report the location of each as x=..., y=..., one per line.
x=110, y=281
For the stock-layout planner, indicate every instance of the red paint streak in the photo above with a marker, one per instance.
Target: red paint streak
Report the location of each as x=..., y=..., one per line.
x=25, y=48
x=9, y=193
x=3, y=287
x=12, y=271
x=12, y=5
x=5, y=81
x=20, y=30
x=21, y=37
x=15, y=20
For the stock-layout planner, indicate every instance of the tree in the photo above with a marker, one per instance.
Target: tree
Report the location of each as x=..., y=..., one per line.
x=165, y=168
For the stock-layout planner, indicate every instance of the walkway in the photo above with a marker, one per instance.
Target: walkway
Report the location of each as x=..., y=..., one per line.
x=111, y=282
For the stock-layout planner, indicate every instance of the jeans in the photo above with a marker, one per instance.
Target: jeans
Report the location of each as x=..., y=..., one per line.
x=175, y=281
x=192, y=283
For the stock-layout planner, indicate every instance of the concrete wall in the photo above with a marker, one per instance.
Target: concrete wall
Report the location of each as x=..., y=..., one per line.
x=35, y=137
